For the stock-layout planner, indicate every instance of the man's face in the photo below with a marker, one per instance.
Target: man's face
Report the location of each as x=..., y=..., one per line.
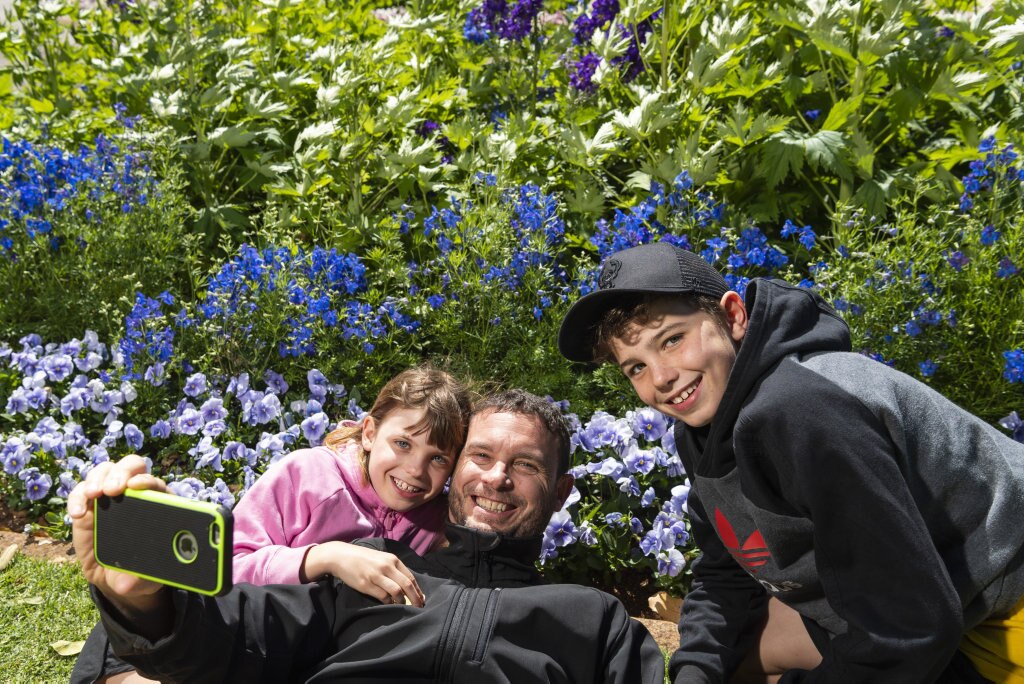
x=506, y=479
x=679, y=360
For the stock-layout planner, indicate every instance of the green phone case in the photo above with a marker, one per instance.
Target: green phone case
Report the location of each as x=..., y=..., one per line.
x=165, y=538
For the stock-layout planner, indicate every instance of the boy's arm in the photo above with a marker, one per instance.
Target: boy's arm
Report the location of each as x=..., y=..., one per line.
x=878, y=565
x=721, y=614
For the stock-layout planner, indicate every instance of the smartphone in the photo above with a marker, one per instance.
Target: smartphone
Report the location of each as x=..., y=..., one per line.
x=165, y=538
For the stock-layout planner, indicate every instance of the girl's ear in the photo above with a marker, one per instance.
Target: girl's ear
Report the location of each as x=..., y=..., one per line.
x=368, y=431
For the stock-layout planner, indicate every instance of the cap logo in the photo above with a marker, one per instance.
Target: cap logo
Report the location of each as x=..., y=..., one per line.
x=608, y=274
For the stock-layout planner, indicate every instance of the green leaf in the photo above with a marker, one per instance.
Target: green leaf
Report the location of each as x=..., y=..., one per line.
x=231, y=136
x=840, y=114
x=67, y=648
x=40, y=106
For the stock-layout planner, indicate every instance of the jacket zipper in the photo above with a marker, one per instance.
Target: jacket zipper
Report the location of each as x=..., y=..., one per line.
x=482, y=638
x=453, y=637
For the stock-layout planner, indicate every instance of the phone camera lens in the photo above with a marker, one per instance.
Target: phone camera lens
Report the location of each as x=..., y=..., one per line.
x=186, y=548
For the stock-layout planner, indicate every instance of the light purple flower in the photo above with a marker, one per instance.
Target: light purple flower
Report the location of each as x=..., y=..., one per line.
x=37, y=484
x=161, y=429
x=188, y=487
x=648, y=497
x=650, y=423
x=154, y=374
x=317, y=384
x=638, y=460
x=195, y=385
x=207, y=455
x=213, y=409
x=313, y=428
x=133, y=436
x=266, y=409
x=58, y=367
x=189, y=422
x=671, y=562
x=275, y=382
x=214, y=428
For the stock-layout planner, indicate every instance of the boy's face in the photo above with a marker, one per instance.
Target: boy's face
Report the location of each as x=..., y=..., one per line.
x=679, y=360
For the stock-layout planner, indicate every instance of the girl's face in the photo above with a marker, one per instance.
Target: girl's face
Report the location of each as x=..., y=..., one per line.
x=406, y=470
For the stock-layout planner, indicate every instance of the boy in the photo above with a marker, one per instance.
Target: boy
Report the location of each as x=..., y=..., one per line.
x=823, y=482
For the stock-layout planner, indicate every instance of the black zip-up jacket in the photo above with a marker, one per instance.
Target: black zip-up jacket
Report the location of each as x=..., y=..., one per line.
x=487, y=618
x=884, y=514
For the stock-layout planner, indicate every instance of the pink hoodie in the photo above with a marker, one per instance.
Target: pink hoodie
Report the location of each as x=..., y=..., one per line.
x=313, y=496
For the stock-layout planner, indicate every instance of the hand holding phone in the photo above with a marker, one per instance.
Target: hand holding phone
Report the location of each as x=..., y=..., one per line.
x=165, y=538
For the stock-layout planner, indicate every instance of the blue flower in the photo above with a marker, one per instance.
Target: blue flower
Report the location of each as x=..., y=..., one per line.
x=314, y=426
x=912, y=328
x=161, y=429
x=1006, y=268
x=1014, y=369
x=195, y=385
x=1015, y=425
x=614, y=520
x=189, y=422
x=927, y=368
x=213, y=409
x=37, y=484
x=812, y=114
x=671, y=562
x=957, y=260
x=133, y=436
x=989, y=235
x=581, y=76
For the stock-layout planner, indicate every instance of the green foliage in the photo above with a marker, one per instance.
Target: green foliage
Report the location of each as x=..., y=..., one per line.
x=84, y=231
x=317, y=111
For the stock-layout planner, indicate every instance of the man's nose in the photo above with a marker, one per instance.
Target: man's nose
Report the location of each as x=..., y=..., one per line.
x=496, y=477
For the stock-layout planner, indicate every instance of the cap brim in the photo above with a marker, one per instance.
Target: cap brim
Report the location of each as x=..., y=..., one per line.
x=575, y=336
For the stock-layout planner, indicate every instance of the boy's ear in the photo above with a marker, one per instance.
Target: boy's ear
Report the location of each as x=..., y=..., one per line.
x=736, y=319
x=368, y=432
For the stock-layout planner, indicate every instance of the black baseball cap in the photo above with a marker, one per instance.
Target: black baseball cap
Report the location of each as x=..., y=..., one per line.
x=656, y=268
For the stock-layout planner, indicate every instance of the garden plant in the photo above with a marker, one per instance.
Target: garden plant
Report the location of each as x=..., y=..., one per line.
x=225, y=224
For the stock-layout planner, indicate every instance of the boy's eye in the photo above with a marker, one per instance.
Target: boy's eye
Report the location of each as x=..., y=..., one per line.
x=674, y=340
x=634, y=369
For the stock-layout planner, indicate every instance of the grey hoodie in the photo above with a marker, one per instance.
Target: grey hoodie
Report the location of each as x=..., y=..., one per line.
x=887, y=516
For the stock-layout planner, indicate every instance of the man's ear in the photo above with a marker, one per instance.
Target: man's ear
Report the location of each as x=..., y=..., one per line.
x=563, y=487
x=736, y=319
x=368, y=430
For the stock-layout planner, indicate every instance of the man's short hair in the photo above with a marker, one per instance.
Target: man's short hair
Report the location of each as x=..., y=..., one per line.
x=637, y=309
x=524, y=403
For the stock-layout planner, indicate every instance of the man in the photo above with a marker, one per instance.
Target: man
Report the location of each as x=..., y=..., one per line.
x=487, y=617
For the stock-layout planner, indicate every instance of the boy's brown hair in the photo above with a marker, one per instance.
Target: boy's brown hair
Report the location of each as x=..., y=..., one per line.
x=637, y=309
x=446, y=402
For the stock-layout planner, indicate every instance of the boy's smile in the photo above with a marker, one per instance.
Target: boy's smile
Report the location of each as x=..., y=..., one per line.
x=679, y=359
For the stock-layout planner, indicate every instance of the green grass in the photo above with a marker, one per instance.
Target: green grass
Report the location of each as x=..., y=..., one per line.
x=65, y=613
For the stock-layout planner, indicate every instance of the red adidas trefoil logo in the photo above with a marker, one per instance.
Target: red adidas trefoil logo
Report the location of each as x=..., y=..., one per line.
x=752, y=554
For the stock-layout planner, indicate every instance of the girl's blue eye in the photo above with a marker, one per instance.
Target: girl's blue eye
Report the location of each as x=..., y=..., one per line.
x=440, y=460
x=402, y=444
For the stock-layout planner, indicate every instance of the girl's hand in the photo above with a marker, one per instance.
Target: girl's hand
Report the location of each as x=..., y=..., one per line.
x=371, y=572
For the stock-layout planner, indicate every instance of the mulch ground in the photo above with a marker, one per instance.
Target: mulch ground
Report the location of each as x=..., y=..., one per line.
x=38, y=545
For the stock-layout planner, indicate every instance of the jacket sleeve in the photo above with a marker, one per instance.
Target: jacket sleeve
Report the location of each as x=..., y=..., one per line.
x=285, y=502
x=632, y=655
x=253, y=634
x=879, y=568
x=722, y=613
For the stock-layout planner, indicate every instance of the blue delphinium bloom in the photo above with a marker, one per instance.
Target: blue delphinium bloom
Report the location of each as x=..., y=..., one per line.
x=581, y=76
x=1014, y=369
x=927, y=368
x=1006, y=268
x=912, y=328
x=957, y=259
x=812, y=114
x=989, y=235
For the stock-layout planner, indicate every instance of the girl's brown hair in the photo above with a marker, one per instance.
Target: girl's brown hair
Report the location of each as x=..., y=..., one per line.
x=445, y=399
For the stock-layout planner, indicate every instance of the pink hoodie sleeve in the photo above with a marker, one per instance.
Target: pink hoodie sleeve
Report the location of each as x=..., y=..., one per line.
x=283, y=515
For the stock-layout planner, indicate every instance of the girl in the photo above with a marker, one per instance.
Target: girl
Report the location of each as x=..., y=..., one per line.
x=378, y=477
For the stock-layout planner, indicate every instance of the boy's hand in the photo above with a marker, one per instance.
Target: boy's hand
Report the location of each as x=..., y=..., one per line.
x=129, y=594
x=371, y=572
